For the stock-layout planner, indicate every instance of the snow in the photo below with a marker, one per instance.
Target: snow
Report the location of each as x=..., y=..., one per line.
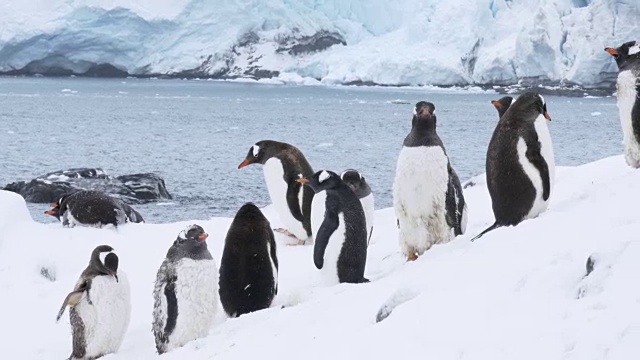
x=407, y=42
x=517, y=293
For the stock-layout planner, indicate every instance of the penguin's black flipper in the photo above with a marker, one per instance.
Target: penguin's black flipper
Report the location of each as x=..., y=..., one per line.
x=329, y=225
x=534, y=155
x=293, y=190
x=274, y=257
x=492, y=227
x=454, y=202
x=72, y=299
x=172, y=306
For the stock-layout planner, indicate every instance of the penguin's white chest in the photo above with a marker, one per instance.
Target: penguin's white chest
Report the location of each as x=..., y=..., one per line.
x=196, y=291
x=332, y=253
x=277, y=187
x=627, y=96
x=368, y=207
x=318, y=206
x=105, y=320
x=419, y=194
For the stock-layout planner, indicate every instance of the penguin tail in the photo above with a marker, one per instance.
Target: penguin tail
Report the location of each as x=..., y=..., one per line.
x=492, y=227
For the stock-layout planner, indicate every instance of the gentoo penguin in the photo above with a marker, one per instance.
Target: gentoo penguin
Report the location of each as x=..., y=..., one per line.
x=628, y=93
x=502, y=105
x=100, y=307
x=520, y=163
x=283, y=163
x=356, y=182
x=340, y=248
x=249, y=265
x=92, y=208
x=186, y=291
x=427, y=195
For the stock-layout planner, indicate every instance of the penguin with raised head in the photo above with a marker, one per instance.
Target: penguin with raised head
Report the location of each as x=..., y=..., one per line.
x=249, y=265
x=283, y=163
x=186, y=291
x=100, y=307
x=92, y=208
x=502, y=104
x=427, y=196
x=357, y=183
x=627, y=58
x=340, y=245
x=520, y=163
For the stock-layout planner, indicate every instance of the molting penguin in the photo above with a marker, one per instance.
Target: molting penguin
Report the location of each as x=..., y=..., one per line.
x=356, y=182
x=340, y=248
x=627, y=58
x=100, y=307
x=427, y=195
x=520, y=163
x=186, y=291
x=502, y=105
x=92, y=208
x=249, y=265
x=283, y=163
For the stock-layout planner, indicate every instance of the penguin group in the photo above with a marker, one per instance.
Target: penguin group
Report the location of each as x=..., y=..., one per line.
x=332, y=211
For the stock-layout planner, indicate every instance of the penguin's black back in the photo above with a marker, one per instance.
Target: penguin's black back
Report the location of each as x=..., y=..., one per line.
x=93, y=207
x=512, y=191
x=247, y=282
x=353, y=255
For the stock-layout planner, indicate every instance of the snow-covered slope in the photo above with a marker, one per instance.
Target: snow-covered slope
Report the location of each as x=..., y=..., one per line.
x=410, y=42
x=516, y=293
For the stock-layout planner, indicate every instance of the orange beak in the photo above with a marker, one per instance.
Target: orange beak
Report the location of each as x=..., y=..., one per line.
x=50, y=212
x=203, y=236
x=546, y=116
x=611, y=51
x=496, y=103
x=302, y=181
x=244, y=163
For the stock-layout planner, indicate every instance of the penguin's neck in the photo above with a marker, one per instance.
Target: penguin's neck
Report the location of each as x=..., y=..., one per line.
x=422, y=128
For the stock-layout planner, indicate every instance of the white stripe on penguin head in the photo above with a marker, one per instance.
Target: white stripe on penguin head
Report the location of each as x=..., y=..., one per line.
x=103, y=255
x=542, y=98
x=256, y=150
x=634, y=49
x=323, y=176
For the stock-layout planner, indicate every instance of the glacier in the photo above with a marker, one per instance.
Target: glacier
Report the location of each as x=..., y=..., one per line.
x=406, y=42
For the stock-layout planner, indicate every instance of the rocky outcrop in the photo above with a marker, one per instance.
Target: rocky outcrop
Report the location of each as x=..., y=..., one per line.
x=131, y=189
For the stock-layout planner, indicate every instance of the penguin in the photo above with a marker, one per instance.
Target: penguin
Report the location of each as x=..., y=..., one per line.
x=92, y=208
x=100, y=307
x=427, y=195
x=249, y=265
x=627, y=58
x=520, y=163
x=502, y=105
x=340, y=246
x=282, y=165
x=357, y=183
x=186, y=291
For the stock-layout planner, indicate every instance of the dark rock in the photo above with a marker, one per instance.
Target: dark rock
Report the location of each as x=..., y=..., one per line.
x=131, y=189
x=319, y=41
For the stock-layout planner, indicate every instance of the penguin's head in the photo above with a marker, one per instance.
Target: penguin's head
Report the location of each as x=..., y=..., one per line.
x=59, y=207
x=321, y=180
x=534, y=103
x=104, y=261
x=502, y=105
x=249, y=209
x=424, y=113
x=259, y=153
x=354, y=180
x=626, y=51
x=190, y=241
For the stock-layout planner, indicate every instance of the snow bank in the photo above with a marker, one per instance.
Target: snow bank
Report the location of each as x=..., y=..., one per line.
x=406, y=42
x=517, y=293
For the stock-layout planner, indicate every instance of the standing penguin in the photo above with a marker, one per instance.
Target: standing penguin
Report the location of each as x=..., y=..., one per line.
x=520, y=163
x=283, y=163
x=249, y=265
x=92, y=208
x=186, y=291
x=359, y=186
x=340, y=248
x=100, y=307
x=427, y=195
x=502, y=105
x=627, y=58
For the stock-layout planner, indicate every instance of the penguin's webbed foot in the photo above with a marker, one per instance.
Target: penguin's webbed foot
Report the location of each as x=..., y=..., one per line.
x=412, y=256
